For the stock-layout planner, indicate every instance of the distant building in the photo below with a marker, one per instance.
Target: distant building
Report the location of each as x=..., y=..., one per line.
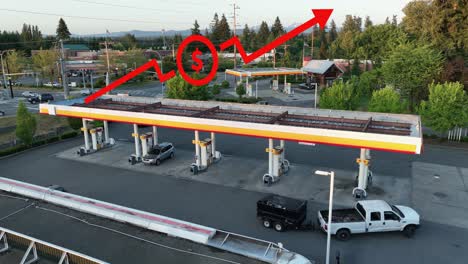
x=78, y=52
x=322, y=72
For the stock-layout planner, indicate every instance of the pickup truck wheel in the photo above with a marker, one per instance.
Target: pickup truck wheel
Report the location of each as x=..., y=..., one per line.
x=266, y=223
x=343, y=234
x=279, y=227
x=157, y=162
x=409, y=230
x=172, y=155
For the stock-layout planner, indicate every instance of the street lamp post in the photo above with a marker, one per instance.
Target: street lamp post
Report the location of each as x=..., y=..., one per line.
x=330, y=207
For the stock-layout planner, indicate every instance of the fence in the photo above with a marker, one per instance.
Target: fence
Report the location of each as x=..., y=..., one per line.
x=457, y=134
x=35, y=249
x=51, y=135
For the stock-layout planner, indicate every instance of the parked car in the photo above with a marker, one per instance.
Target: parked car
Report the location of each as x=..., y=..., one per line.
x=16, y=83
x=370, y=216
x=52, y=84
x=42, y=98
x=28, y=94
x=85, y=92
x=159, y=153
x=2, y=113
x=282, y=213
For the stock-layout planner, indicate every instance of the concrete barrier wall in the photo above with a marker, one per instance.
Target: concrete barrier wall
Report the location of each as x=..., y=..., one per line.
x=162, y=224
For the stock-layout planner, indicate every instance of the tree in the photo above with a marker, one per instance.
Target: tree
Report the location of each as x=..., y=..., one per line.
x=263, y=34
x=323, y=53
x=75, y=123
x=410, y=68
x=196, y=28
x=128, y=41
x=286, y=59
x=386, y=100
x=446, y=108
x=442, y=24
x=339, y=96
x=214, y=29
x=44, y=62
x=240, y=90
x=277, y=28
x=355, y=67
x=16, y=62
x=223, y=32
x=394, y=21
x=246, y=37
x=178, y=88
x=367, y=23
x=62, y=30
x=333, y=34
x=134, y=58
x=377, y=42
x=25, y=124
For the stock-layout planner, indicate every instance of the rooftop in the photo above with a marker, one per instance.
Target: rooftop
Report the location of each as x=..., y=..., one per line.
x=391, y=132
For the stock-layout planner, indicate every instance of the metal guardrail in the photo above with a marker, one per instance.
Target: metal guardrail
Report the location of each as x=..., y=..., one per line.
x=36, y=249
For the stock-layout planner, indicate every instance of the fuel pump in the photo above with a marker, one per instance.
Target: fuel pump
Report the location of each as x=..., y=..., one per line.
x=146, y=143
x=206, y=154
x=277, y=165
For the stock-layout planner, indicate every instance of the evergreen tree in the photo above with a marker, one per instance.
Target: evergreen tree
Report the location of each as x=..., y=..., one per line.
x=253, y=39
x=246, y=37
x=394, y=21
x=333, y=34
x=224, y=31
x=214, y=29
x=263, y=34
x=387, y=21
x=277, y=28
x=368, y=23
x=323, y=54
x=62, y=30
x=196, y=28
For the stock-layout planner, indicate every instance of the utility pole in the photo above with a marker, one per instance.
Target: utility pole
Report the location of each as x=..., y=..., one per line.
x=9, y=81
x=62, y=71
x=235, y=33
x=312, y=44
x=107, y=58
x=3, y=69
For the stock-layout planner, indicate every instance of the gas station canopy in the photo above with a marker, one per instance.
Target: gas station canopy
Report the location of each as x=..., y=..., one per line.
x=251, y=72
x=378, y=131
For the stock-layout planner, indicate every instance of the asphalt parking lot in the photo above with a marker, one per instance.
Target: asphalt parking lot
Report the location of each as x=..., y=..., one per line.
x=233, y=209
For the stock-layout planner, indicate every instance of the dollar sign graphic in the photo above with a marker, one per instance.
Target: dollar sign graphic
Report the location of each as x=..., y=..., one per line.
x=198, y=63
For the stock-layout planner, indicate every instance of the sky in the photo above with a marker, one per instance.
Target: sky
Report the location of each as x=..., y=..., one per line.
x=125, y=15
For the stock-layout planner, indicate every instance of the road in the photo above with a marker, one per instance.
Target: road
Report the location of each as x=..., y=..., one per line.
x=233, y=209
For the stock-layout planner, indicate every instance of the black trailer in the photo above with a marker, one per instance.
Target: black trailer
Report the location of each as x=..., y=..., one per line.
x=282, y=212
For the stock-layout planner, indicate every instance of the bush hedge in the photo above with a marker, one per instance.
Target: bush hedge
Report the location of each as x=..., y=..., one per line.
x=19, y=148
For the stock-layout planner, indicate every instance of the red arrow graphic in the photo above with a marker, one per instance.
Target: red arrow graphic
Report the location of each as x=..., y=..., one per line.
x=152, y=63
x=321, y=18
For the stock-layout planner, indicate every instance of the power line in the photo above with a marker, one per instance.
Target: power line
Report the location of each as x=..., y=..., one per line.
x=126, y=6
x=84, y=17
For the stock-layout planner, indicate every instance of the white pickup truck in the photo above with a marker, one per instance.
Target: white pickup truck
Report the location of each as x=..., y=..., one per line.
x=370, y=216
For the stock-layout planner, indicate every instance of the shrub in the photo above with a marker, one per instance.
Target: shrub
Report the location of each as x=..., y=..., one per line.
x=225, y=84
x=75, y=123
x=215, y=89
x=25, y=125
x=69, y=135
x=386, y=100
